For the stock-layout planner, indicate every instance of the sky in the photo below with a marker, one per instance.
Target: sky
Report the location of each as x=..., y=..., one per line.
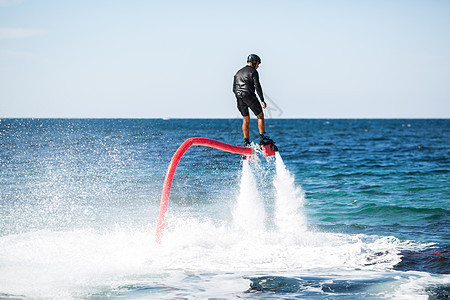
x=177, y=59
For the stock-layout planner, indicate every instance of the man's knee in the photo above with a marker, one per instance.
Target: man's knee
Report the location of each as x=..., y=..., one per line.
x=260, y=116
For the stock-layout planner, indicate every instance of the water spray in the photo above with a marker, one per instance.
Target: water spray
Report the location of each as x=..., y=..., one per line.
x=268, y=150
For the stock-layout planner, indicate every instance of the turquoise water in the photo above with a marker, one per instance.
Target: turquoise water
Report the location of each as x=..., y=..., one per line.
x=350, y=209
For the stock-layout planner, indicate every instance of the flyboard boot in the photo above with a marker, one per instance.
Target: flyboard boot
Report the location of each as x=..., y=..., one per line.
x=268, y=146
x=247, y=143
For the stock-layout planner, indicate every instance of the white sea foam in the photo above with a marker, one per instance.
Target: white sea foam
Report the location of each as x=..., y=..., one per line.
x=79, y=263
x=412, y=285
x=71, y=264
x=64, y=265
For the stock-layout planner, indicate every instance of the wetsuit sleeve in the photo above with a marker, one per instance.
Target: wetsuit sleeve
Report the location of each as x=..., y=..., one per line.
x=234, y=85
x=258, y=86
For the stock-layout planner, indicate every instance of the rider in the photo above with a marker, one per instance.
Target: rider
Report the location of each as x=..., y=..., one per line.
x=246, y=81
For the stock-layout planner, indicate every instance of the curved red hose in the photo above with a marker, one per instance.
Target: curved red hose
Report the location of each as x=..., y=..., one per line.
x=173, y=166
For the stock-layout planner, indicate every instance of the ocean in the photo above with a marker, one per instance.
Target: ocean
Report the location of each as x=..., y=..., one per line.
x=348, y=209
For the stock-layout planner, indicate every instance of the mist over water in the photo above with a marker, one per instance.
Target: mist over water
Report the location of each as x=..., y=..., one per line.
x=79, y=202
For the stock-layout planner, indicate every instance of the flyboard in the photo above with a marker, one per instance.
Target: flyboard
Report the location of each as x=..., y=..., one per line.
x=247, y=152
x=267, y=150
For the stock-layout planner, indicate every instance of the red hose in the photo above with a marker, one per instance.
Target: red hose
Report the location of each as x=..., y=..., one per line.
x=173, y=166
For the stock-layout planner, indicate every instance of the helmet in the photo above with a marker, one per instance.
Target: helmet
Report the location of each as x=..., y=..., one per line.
x=254, y=59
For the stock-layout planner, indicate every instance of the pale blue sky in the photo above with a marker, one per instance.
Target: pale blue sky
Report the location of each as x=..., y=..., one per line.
x=151, y=59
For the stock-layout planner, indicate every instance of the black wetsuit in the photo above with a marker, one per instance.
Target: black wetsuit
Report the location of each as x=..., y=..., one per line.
x=246, y=81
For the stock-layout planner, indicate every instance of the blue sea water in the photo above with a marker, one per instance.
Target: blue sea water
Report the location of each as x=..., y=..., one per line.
x=355, y=208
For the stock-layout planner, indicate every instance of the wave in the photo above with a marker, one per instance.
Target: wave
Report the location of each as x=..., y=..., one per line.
x=396, y=211
x=393, y=285
x=436, y=260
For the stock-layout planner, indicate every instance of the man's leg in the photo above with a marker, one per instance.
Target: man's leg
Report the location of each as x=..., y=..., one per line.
x=263, y=138
x=261, y=124
x=246, y=126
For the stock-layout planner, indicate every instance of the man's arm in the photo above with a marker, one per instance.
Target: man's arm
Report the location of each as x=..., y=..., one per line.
x=258, y=86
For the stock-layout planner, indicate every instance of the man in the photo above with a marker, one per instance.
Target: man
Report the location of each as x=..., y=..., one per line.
x=246, y=81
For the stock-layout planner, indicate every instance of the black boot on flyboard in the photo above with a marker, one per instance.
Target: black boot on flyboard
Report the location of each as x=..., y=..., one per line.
x=268, y=146
x=247, y=143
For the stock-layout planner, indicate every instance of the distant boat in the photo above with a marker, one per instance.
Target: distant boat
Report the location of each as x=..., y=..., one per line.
x=166, y=118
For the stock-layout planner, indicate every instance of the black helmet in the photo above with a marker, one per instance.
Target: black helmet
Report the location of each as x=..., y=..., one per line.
x=254, y=59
